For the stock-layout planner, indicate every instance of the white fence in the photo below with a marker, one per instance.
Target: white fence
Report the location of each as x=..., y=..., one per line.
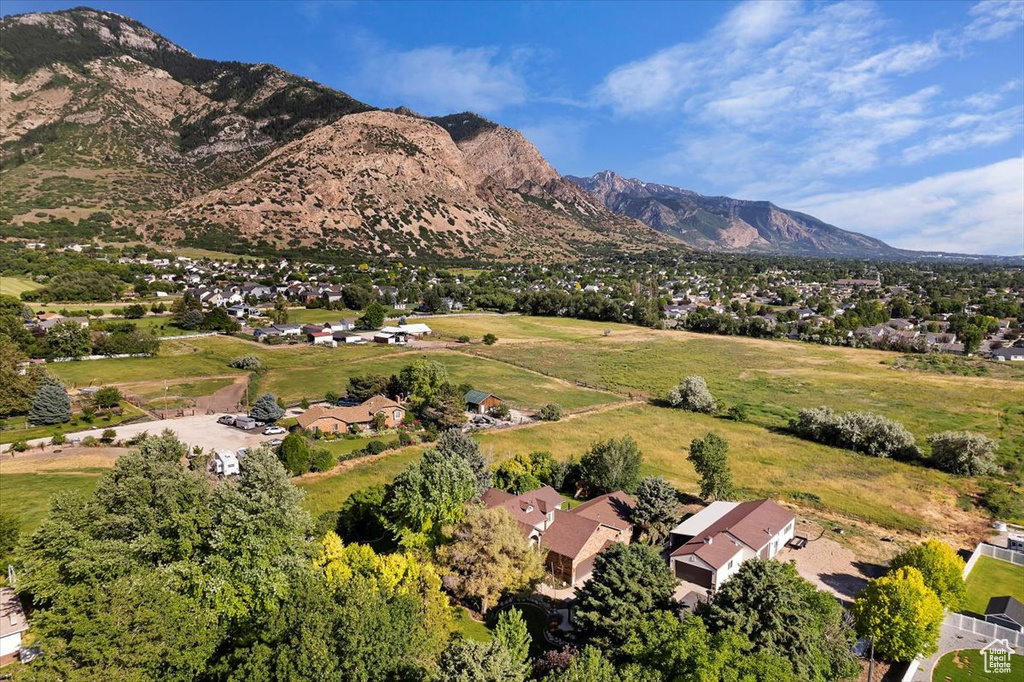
x=985, y=629
x=1002, y=553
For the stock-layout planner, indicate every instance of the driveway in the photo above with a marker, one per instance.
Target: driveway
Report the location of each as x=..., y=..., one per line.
x=201, y=430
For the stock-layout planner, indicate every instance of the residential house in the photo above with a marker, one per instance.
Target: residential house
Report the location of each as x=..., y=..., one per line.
x=288, y=329
x=341, y=419
x=571, y=538
x=339, y=326
x=1010, y=354
x=710, y=546
x=264, y=333
x=12, y=623
x=225, y=463
x=480, y=402
x=1006, y=612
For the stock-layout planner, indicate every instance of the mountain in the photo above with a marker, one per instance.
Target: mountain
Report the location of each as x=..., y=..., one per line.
x=726, y=224
x=99, y=114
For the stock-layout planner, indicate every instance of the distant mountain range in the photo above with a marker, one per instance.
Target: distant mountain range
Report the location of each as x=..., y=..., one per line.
x=101, y=115
x=726, y=224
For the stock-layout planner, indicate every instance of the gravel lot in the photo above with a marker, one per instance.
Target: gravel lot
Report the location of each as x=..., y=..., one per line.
x=201, y=430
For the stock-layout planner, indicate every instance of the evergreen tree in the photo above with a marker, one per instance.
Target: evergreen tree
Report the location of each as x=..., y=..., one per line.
x=266, y=409
x=51, y=404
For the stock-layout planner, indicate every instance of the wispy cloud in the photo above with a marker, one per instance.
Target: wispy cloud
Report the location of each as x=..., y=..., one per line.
x=975, y=211
x=781, y=97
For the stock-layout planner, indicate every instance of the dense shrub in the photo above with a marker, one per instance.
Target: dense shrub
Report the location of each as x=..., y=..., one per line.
x=375, y=447
x=294, y=454
x=550, y=412
x=738, y=413
x=692, y=394
x=963, y=453
x=250, y=362
x=322, y=460
x=864, y=432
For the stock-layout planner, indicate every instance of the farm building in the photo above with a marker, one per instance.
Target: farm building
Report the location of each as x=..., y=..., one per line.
x=480, y=402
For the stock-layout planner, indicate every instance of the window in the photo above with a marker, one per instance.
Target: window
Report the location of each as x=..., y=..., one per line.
x=729, y=567
x=398, y=416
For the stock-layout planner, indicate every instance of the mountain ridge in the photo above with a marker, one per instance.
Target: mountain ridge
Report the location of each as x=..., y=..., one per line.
x=726, y=224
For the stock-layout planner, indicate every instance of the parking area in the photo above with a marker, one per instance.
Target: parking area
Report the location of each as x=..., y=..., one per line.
x=201, y=430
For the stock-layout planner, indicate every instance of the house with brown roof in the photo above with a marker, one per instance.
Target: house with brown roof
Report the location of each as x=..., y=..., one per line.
x=572, y=538
x=341, y=419
x=710, y=546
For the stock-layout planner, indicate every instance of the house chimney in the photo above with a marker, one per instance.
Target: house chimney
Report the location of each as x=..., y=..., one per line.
x=707, y=540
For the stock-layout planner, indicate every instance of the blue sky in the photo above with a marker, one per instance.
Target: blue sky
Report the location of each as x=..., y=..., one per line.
x=903, y=120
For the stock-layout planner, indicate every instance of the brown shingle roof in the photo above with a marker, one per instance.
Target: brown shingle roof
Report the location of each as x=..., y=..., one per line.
x=359, y=414
x=752, y=523
x=568, y=534
x=544, y=498
x=613, y=509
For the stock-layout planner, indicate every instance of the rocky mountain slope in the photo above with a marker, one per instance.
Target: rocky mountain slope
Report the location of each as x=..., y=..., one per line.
x=726, y=224
x=100, y=114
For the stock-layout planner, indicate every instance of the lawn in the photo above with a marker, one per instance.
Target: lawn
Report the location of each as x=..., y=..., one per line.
x=27, y=496
x=327, y=493
x=968, y=665
x=157, y=325
x=18, y=428
x=764, y=463
x=16, y=286
x=993, y=578
x=469, y=628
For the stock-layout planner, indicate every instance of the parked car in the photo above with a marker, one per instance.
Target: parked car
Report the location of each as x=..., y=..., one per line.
x=226, y=419
x=260, y=425
x=275, y=442
x=274, y=430
x=246, y=423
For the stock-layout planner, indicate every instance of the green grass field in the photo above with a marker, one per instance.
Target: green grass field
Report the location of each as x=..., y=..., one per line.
x=157, y=325
x=27, y=496
x=968, y=665
x=16, y=286
x=183, y=389
x=18, y=428
x=993, y=578
x=763, y=463
x=327, y=493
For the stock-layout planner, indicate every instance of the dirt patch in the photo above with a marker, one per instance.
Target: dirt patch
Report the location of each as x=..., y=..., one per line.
x=227, y=399
x=62, y=458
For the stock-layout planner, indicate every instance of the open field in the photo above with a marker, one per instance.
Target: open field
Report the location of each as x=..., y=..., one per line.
x=157, y=325
x=192, y=388
x=319, y=315
x=526, y=329
x=326, y=493
x=774, y=379
x=764, y=463
x=27, y=496
x=15, y=286
x=968, y=665
x=993, y=578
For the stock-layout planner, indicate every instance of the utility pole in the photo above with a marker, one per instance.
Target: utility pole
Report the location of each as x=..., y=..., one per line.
x=165, y=401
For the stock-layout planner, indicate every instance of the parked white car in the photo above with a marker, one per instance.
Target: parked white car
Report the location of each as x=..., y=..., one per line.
x=274, y=430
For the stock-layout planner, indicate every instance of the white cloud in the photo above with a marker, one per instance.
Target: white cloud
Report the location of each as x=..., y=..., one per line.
x=441, y=79
x=979, y=210
x=969, y=131
x=994, y=19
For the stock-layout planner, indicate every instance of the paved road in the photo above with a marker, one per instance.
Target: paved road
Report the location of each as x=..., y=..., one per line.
x=201, y=430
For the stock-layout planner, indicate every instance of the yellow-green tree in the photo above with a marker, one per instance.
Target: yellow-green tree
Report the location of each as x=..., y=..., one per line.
x=941, y=568
x=901, y=613
x=489, y=556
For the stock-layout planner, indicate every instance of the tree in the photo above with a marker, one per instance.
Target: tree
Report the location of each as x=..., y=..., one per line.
x=782, y=614
x=469, y=661
x=107, y=397
x=490, y=339
x=455, y=443
x=489, y=556
x=963, y=453
x=941, y=568
x=294, y=454
x=50, y=405
x=68, y=339
x=266, y=409
x=361, y=517
x=710, y=457
x=321, y=459
x=516, y=475
x=219, y=320
x=901, y=614
x=379, y=421
x=628, y=584
x=429, y=494
x=279, y=314
x=550, y=413
x=373, y=316
x=611, y=465
x=657, y=507
x=191, y=319
x=590, y=666
x=511, y=634
x=135, y=311
x=364, y=387
x=423, y=380
x=10, y=530
x=16, y=397
x=692, y=394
